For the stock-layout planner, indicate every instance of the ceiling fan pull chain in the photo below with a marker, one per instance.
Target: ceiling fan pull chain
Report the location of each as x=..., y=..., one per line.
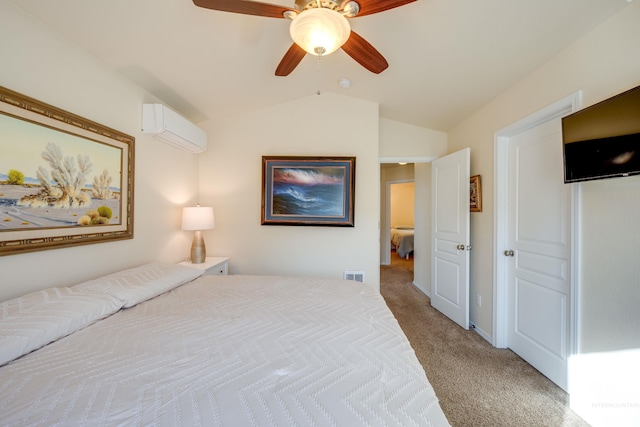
x=319, y=80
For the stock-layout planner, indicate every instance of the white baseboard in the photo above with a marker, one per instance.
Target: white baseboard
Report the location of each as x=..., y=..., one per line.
x=421, y=289
x=480, y=332
x=472, y=325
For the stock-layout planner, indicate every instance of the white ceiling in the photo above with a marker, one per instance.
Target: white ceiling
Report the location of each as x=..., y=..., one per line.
x=446, y=58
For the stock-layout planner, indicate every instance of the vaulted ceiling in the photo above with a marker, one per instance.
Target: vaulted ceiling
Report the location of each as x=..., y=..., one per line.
x=446, y=58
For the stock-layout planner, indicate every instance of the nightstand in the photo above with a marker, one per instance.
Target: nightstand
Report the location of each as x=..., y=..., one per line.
x=213, y=266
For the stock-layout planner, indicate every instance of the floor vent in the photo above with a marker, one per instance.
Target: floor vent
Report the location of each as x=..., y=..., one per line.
x=358, y=276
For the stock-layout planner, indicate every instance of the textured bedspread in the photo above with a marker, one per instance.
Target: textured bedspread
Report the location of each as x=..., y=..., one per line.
x=229, y=351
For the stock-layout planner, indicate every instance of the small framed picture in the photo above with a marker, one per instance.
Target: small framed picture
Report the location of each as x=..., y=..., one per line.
x=475, y=194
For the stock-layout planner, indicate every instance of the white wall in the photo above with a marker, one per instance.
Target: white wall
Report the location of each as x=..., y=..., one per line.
x=39, y=63
x=602, y=63
x=400, y=141
x=230, y=180
x=402, y=204
x=422, y=242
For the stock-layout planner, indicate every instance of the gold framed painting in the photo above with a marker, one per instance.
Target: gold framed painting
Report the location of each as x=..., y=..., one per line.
x=475, y=194
x=64, y=180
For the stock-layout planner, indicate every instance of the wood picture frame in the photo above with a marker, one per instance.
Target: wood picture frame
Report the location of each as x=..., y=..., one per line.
x=475, y=194
x=64, y=180
x=300, y=190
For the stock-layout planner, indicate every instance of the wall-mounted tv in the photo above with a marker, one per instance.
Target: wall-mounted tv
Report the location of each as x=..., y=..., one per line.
x=603, y=140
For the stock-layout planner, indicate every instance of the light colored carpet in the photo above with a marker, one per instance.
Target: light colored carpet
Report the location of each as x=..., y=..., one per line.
x=477, y=384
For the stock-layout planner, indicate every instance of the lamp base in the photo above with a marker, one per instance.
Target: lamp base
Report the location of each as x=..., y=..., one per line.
x=198, y=250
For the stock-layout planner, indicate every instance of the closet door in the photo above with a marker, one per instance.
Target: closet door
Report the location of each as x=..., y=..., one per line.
x=538, y=251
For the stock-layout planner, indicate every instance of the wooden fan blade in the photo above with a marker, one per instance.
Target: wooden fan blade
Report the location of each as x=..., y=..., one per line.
x=245, y=7
x=290, y=60
x=369, y=7
x=365, y=54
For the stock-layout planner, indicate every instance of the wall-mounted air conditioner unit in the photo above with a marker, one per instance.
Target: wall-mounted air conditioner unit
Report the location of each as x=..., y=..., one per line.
x=172, y=128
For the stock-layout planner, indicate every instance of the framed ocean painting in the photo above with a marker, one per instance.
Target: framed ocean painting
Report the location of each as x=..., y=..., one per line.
x=308, y=190
x=64, y=180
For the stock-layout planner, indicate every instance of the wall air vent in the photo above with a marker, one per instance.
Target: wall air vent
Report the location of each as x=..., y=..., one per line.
x=357, y=276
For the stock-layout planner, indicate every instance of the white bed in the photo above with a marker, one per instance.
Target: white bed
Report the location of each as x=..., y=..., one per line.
x=402, y=240
x=216, y=350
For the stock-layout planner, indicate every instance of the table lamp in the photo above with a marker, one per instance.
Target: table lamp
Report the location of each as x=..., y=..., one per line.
x=198, y=218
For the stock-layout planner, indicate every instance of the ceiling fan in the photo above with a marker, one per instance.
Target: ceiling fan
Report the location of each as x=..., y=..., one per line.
x=318, y=27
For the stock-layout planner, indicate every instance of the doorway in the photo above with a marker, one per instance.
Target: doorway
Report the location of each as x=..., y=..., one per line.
x=397, y=207
x=401, y=218
x=421, y=259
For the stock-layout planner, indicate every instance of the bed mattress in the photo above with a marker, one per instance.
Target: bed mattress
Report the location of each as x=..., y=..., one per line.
x=229, y=351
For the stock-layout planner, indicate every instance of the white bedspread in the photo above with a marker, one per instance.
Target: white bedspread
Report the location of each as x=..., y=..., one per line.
x=229, y=351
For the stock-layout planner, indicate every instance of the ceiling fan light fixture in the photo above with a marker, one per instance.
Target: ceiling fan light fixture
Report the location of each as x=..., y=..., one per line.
x=320, y=31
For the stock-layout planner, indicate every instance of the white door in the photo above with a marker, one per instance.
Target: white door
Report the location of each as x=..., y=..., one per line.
x=450, y=236
x=537, y=250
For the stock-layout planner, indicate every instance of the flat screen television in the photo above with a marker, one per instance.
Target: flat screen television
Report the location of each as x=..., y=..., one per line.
x=603, y=140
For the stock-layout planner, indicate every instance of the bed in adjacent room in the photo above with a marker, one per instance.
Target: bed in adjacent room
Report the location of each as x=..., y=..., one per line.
x=402, y=240
x=158, y=345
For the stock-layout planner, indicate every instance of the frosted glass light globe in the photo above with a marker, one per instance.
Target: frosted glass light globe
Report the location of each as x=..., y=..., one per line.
x=320, y=31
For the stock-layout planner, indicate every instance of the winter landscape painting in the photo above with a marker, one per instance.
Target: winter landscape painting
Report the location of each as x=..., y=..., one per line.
x=63, y=180
x=308, y=190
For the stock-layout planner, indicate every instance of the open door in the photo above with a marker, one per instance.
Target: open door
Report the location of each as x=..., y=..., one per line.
x=450, y=244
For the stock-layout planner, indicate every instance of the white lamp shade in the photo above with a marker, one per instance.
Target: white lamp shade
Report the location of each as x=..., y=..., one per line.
x=198, y=218
x=320, y=31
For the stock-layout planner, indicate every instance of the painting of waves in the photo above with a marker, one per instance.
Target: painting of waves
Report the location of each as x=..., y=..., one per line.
x=308, y=190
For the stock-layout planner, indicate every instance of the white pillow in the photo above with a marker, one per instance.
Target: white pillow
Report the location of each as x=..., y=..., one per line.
x=36, y=319
x=139, y=284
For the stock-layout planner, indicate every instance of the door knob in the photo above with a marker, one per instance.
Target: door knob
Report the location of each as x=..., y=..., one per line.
x=509, y=252
x=460, y=247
